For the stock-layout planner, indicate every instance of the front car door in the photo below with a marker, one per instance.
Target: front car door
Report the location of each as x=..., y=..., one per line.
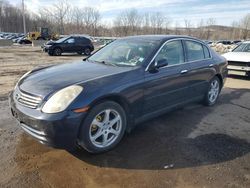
x=69, y=45
x=168, y=86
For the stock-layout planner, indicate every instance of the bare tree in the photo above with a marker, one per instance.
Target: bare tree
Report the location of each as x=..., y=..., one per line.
x=77, y=18
x=245, y=24
x=126, y=22
x=91, y=20
x=187, y=26
x=200, y=28
x=63, y=18
x=210, y=22
x=60, y=11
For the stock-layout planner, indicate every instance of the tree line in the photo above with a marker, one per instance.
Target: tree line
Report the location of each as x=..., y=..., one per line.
x=64, y=18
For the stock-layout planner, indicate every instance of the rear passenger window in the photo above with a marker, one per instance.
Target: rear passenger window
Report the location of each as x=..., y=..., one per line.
x=194, y=51
x=172, y=52
x=206, y=52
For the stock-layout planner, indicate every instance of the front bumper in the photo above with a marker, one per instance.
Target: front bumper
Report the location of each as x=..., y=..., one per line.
x=238, y=70
x=58, y=130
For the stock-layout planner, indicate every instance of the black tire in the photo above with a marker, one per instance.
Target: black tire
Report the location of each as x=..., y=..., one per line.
x=87, y=51
x=248, y=75
x=50, y=53
x=85, y=133
x=57, y=52
x=208, y=99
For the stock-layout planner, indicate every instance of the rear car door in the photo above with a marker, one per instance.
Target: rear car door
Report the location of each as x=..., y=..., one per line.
x=201, y=64
x=168, y=86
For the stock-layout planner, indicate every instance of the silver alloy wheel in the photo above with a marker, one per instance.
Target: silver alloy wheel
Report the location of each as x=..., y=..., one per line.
x=214, y=91
x=105, y=128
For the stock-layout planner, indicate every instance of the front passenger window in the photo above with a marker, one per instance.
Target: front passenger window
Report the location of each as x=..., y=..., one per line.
x=172, y=52
x=71, y=41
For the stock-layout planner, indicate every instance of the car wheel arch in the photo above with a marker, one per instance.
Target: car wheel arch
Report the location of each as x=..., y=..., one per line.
x=57, y=47
x=122, y=101
x=221, y=79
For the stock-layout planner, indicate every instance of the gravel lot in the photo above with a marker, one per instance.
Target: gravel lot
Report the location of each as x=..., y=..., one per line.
x=195, y=146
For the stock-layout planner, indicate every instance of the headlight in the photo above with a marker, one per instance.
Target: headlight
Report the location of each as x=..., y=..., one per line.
x=62, y=99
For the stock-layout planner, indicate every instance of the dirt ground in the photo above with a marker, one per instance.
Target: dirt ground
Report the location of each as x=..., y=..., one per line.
x=195, y=146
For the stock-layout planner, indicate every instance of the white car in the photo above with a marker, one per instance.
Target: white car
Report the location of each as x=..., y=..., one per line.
x=239, y=60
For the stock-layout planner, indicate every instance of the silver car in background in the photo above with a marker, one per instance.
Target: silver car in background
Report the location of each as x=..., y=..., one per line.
x=239, y=60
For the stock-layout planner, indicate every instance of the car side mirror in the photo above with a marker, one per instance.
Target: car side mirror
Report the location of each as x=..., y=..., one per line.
x=160, y=63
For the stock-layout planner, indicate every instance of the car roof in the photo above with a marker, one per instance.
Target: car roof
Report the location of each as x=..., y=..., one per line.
x=160, y=37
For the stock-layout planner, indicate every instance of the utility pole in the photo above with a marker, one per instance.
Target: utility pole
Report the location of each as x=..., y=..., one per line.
x=24, y=23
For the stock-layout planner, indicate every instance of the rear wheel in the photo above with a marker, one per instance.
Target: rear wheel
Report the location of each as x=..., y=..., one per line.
x=87, y=51
x=57, y=52
x=213, y=92
x=103, y=127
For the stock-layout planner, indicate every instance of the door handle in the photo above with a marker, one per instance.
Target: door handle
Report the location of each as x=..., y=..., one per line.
x=211, y=65
x=184, y=71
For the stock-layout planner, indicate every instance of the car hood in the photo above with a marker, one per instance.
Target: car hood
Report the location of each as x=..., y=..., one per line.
x=45, y=81
x=237, y=56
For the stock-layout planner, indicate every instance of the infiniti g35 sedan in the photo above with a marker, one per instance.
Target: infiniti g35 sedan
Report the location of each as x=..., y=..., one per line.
x=92, y=103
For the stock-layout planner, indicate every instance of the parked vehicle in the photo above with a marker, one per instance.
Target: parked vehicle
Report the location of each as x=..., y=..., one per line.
x=71, y=44
x=18, y=39
x=208, y=42
x=93, y=103
x=239, y=60
x=225, y=42
x=236, y=42
x=24, y=41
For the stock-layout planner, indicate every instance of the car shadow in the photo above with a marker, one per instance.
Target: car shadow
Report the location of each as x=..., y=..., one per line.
x=164, y=142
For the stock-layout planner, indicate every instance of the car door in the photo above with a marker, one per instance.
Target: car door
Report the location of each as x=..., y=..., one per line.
x=79, y=44
x=69, y=45
x=168, y=86
x=201, y=67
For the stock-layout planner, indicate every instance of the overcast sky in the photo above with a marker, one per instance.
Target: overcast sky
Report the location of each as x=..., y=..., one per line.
x=224, y=11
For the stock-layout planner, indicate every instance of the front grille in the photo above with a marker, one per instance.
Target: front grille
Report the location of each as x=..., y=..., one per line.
x=27, y=100
x=238, y=63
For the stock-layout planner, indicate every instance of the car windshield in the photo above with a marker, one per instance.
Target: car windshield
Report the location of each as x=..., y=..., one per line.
x=62, y=39
x=244, y=47
x=125, y=52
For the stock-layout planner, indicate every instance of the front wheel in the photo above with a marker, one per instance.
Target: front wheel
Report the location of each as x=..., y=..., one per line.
x=213, y=92
x=57, y=52
x=103, y=127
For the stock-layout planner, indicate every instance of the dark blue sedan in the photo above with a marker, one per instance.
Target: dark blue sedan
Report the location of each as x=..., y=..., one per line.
x=92, y=103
